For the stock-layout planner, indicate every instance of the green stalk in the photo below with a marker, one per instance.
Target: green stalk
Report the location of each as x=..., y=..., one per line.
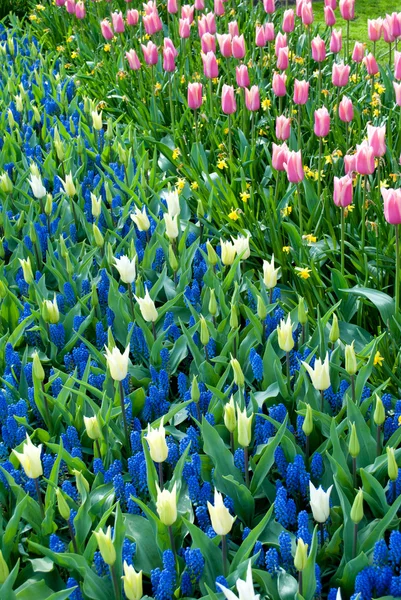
x=397, y=269
x=342, y=239
x=365, y=179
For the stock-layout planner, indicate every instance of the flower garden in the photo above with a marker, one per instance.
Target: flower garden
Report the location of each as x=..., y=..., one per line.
x=200, y=319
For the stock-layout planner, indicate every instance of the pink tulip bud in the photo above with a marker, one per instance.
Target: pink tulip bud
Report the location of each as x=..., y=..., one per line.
x=331, y=3
x=329, y=16
x=301, y=91
x=233, y=28
x=107, y=31
x=132, y=17
x=283, y=128
x=210, y=66
x=228, y=104
x=397, y=65
x=397, y=89
x=282, y=59
x=70, y=7
x=269, y=6
x=60, y=2
x=347, y=9
x=340, y=74
x=203, y=26
x=392, y=205
x=242, y=76
x=279, y=156
x=375, y=27
x=346, y=110
x=225, y=44
x=149, y=7
x=133, y=60
x=187, y=12
x=238, y=46
x=307, y=13
x=349, y=163
x=152, y=23
x=298, y=7
x=293, y=166
x=211, y=22
x=167, y=43
x=358, y=52
x=219, y=8
x=318, y=49
x=252, y=98
x=172, y=7
x=150, y=53
x=199, y=4
x=279, y=84
x=194, y=95
x=80, y=11
x=388, y=34
x=208, y=43
x=269, y=32
x=184, y=29
x=371, y=65
x=343, y=190
x=260, y=40
x=377, y=139
x=364, y=159
x=336, y=40
x=118, y=22
x=288, y=21
x=394, y=25
x=168, y=60
x=322, y=122
x=281, y=42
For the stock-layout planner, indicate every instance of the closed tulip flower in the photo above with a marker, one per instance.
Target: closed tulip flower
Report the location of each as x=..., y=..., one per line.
x=397, y=90
x=150, y=53
x=282, y=59
x=301, y=555
x=156, y=439
x=358, y=53
x=336, y=41
x=132, y=17
x=280, y=42
x=349, y=163
x=37, y=187
x=187, y=12
x=199, y=4
x=230, y=420
x=133, y=60
x=245, y=588
x=51, y=310
x=329, y=16
x=208, y=43
x=331, y=3
x=126, y=268
x=322, y=122
x=293, y=166
x=233, y=28
x=220, y=517
x=30, y=459
x=307, y=13
x=260, y=39
x=210, y=66
x=269, y=32
x=301, y=91
x=225, y=44
x=252, y=98
x=364, y=159
x=320, y=503
x=241, y=245
x=343, y=190
x=239, y=378
x=166, y=505
x=171, y=226
x=80, y=11
x=288, y=21
x=68, y=185
x=392, y=205
x=340, y=74
x=238, y=46
x=388, y=31
x=284, y=333
x=318, y=49
x=132, y=582
x=27, y=270
x=141, y=219
x=351, y=365
x=375, y=27
x=270, y=274
x=172, y=7
x=376, y=139
x=397, y=65
x=244, y=428
x=168, y=60
x=371, y=64
x=106, y=546
x=279, y=84
x=117, y=362
x=283, y=127
x=173, y=202
x=320, y=374
x=346, y=110
x=70, y=7
x=242, y=76
x=269, y=6
x=92, y=428
x=218, y=8
x=184, y=28
x=347, y=9
x=279, y=156
x=194, y=95
x=148, y=308
x=228, y=103
x=228, y=253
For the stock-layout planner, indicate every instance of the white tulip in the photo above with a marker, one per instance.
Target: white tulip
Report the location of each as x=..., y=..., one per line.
x=320, y=375
x=37, y=187
x=126, y=268
x=171, y=226
x=30, y=459
x=245, y=588
x=270, y=273
x=148, y=308
x=228, y=252
x=320, y=502
x=173, y=203
x=241, y=245
x=141, y=219
x=68, y=185
x=117, y=363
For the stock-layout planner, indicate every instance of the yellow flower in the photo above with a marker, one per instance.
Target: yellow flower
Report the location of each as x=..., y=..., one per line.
x=325, y=92
x=309, y=238
x=376, y=113
x=33, y=17
x=266, y=103
x=393, y=176
x=182, y=78
x=74, y=54
x=176, y=153
x=329, y=160
x=107, y=47
x=194, y=185
x=399, y=421
x=354, y=78
x=60, y=48
x=226, y=131
x=180, y=184
x=158, y=87
x=70, y=39
x=287, y=210
x=221, y=164
x=378, y=359
x=233, y=215
x=245, y=196
x=286, y=249
x=303, y=272
x=379, y=88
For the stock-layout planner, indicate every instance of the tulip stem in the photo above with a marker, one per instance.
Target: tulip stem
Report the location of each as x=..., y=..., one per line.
x=72, y=535
x=230, y=147
x=131, y=300
x=301, y=229
x=39, y=495
x=347, y=39
x=397, y=269
x=321, y=529
x=211, y=98
x=123, y=412
x=154, y=330
x=321, y=401
x=353, y=388
x=355, y=542
x=161, y=480
x=378, y=440
x=365, y=183
x=342, y=239
x=319, y=168
x=117, y=589
x=224, y=553
x=299, y=126
x=98, y=448
x=232, y=442
x=354, y=471
x=307, y=447
x=300, y=583
x=171, y=536
x=172, y=116
x=246, y=466
x=287, y=360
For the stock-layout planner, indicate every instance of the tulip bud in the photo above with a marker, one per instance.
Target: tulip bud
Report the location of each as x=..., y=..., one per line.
x=92, y=428
x=379, y=415
x=156, y=439
x=106, y=546
x=302, y=312
x=68, y=185
x=195, y=393
x=320, y=502
x=200, y=211
x=354, y=447
x=30, y=459
x=244, y=428
x=96, y=206
x=233, y=316
x=307, y=425
x=97, y=120
x=6, y=184
x=239, y=378
x=301, y=555
x=51, y=310
x=166, y=505
x=172, y=259
x=117, y=362
x=48, y=205
x=147, y=307
x=99, y=239
x=109, y=135
x=230, y=420
x=284, y=334
x=350, y=359
x=27, y=270
x=62, y=505
x=36, y=114
x=392, y=466
x=94, y=296
x=37, y=368
x=335, y=330
x=63, y=248
x=222, y=521
x=357, y=508
x=212, y=257
x=132, y=582
x=261, y=309
x=204, y=331
x=81, y=483
x=212, y=303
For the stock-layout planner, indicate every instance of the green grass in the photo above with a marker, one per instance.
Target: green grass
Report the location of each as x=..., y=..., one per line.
x=364, y=10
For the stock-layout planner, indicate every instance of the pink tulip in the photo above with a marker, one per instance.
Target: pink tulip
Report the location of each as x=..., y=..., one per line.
x=199, y=4
x=242, y=76
x=269, y=6
x=347, y=9
x=132, y=17
x=397, y=65
x=322, y=122
x=279, y=84
x=168, y=60
x=194, y=95
x=269, y=32
x=388, y=34
x=298, y=7
x=397, y=89
x=233, y=29
x=133, y=60
x=364, y=159
x=343, y=189
x=210, y=66
x=349, y=163
x=184, y=29
x=377, y=139
x=211, y=22
x=288, y=21
x=252, y=98
x=228, y=104
x=60, y=2
x=167, y=43
x=279, y=156
x=281, y=42
x=307, y=13
x=318, y=49
x=70, y=7
x=394, y=25
x=225, y=44
x=331, y=3
x=80, y=11
x=218, y=8
x=340, y=74
x=107, y=31
x=329, y=16
x=293, y=166
x=392, y=205
x=208, y=43
x=238, y=46
x=172, y=7
x=282, y=59
x=260, y=39
x=152, y=23
x=149, y=7
x=150, y=53
x=371, y=65
x=336, y=40
x=118, y=22
x=283, y=128
x=346, y=110
x=358, y=52
x=187, y=12
x=375, y=27
x=301, y=91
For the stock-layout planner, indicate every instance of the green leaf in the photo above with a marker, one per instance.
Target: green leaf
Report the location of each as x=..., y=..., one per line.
x=267, y=459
